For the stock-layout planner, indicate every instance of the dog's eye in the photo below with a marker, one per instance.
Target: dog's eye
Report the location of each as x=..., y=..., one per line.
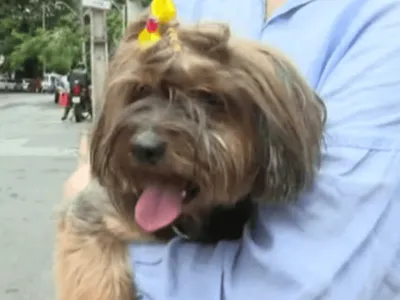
x=210, y=99
x=142, y=91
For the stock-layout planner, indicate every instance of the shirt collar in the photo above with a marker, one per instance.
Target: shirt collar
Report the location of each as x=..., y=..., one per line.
x=288, y=6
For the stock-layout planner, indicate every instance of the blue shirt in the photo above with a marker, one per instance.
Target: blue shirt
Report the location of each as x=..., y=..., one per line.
x=341, y=240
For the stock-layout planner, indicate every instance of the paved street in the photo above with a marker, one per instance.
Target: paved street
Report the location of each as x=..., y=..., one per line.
x=37, y=153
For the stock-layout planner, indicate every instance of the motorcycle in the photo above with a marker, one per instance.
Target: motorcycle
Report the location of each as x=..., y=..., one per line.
x=81, y=102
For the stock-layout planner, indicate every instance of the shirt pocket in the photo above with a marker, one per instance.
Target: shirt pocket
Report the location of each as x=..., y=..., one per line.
x=389, y=289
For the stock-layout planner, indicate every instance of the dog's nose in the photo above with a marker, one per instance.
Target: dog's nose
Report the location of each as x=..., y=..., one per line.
x=148, y=147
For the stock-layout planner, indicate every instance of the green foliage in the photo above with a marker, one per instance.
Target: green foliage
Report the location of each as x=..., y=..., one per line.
x=145, y=3
x=114, y=28
x=57, y=48
x=54, y=38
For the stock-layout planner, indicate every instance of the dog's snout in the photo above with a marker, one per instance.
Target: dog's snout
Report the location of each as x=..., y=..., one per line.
x=148, y=147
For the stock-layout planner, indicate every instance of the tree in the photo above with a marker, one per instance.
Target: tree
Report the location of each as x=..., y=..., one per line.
x=114, y=28
x=145, y=3
x=38, y=30
x=58, y=48
x=47, y=34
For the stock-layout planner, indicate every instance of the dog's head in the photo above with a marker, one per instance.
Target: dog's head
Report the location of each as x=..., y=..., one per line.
x=182, y=132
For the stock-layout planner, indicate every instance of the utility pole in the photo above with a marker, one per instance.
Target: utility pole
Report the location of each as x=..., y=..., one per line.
x=133, y=8
x=99, y=50
x=44, y=28
x=99, y=57
x=82, y=26
x=123, y=18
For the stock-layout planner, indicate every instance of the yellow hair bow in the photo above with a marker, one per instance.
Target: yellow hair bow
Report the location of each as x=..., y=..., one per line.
x=162, y=11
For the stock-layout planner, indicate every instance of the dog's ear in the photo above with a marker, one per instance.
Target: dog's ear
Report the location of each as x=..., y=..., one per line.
x=100, y=146
x=119, y=85
x=97, y=147
x=290, y=123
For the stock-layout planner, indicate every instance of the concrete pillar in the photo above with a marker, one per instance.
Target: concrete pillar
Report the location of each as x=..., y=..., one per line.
x=134, y=8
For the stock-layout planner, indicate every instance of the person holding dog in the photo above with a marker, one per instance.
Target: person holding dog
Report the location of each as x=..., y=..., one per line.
x=339, y=240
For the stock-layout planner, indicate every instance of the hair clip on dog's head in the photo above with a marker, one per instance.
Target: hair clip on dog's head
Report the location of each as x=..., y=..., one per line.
x=162, y=12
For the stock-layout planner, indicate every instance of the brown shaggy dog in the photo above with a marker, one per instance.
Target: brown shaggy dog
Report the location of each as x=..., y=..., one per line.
x=187, y=140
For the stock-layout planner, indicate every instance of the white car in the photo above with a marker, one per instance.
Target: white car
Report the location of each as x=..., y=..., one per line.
x=22, y=85
x=7, y=84
x=11, y=85
x=49, y=82
x=47, y=85
x=3, y=84
x=25, y=84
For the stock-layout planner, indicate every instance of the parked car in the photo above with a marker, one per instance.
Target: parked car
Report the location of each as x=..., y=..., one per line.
x=22, y=85
x=11, y=84
x=25, y=84
x=18, y=86
x=7, y=84
x=49, y=82
x=3, y=84
x=47, y=85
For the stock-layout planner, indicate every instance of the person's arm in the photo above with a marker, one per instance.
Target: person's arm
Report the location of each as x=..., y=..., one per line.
x=340, y=238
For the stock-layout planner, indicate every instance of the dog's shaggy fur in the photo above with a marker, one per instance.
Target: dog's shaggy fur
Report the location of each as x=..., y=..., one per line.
x=239, y=126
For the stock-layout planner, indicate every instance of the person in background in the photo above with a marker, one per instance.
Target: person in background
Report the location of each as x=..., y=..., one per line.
x=59, y=88
x=340, y=239
x=81, y=75
x=37, y=85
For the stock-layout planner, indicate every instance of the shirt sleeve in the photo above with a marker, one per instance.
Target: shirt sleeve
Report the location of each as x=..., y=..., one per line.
x=338, y=240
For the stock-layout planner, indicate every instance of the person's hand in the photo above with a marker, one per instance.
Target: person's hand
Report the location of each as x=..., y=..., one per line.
x=80, y=178
x=76, y=182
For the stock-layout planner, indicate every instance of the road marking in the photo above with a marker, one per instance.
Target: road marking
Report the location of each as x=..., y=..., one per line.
x=18, y=148
x=13, y=142
x=39, y=152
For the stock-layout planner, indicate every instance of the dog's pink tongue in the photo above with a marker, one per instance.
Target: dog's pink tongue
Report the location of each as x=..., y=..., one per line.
x=157, y=207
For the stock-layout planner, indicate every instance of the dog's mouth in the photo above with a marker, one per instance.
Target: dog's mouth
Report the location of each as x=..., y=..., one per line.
x=158, y=206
